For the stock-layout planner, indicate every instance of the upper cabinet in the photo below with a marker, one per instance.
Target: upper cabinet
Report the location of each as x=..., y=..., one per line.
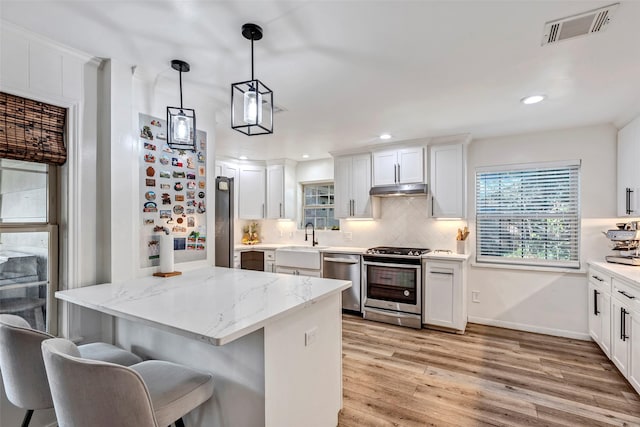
x=251, y=192
x=352, y=182
x=281, y=190
x=447, y=180
x=398, y=166
x=628, y=172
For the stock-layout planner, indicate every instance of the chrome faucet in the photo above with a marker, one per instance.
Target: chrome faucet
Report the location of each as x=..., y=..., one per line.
x=313, y=234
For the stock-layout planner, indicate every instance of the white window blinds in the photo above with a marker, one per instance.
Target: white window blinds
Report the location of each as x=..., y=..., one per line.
x=529, y=214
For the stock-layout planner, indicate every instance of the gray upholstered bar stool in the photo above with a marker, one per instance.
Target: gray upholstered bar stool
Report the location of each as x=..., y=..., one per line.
x=100, y=394
x=22, y=367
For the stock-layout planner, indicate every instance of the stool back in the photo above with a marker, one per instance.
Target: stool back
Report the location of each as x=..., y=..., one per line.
x=23, y=372
x=91, y=393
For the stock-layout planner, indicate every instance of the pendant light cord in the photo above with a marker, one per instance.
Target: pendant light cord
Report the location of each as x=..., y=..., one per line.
x=252, y=58
x=181, y=89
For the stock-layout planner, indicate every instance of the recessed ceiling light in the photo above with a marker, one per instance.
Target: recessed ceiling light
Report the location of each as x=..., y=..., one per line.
x=533, y=99
x=243, y=157
x=305, y=156
x=385, y=136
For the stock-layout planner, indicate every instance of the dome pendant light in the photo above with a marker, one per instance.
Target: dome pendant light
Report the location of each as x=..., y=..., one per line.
x=181, y=122
x=251, y=100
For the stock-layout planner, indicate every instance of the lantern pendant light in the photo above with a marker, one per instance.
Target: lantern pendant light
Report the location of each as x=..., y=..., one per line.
x=181, y=122
x=252, y=100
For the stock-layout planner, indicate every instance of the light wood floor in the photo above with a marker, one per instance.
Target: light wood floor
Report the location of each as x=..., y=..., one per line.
x=397, y=376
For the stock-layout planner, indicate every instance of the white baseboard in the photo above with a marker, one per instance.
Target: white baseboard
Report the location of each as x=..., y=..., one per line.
x=530, y=328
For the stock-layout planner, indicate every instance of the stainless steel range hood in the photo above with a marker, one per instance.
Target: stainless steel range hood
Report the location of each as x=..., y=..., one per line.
x=399, y=190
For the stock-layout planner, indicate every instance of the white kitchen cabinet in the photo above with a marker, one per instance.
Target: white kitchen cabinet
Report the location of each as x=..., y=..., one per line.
x=628, y=185
x=299, y=271
x=620, y=347
x=445, y=284
x=251, y=192
x=398, y=166
x=634, y=357
x=270, y=261
x=281, y=190
x=599, y=305
x=447, y=171
x=352, y=182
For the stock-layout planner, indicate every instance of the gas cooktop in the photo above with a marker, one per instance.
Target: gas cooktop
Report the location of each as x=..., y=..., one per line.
x=391, y=250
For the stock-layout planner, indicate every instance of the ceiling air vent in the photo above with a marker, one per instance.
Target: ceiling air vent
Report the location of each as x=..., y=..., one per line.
x=593, y=21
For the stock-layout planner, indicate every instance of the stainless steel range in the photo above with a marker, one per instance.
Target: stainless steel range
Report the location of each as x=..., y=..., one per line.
x=393, y=285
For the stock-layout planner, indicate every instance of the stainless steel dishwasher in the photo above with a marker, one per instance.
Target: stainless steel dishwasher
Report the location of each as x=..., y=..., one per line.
x=345, y=267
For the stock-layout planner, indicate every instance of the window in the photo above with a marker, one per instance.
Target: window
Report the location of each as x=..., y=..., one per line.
x=28, y=242
x=318, y=206
x=529, y=214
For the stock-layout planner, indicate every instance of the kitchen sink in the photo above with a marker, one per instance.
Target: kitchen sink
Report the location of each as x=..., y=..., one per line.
x=307, y=257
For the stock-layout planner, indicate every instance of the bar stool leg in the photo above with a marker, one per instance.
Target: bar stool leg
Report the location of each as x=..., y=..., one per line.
x=27, y=418
x=179, y=423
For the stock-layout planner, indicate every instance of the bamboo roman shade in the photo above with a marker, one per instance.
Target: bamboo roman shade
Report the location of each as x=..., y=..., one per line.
x=32, y=131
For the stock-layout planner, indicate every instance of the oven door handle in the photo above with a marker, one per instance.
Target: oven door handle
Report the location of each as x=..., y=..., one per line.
x=389, y=264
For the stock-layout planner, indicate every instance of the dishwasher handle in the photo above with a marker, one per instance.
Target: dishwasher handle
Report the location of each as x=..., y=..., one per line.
x=342, y=260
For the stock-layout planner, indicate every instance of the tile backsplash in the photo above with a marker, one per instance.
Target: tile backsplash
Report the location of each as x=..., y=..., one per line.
x=403, y=222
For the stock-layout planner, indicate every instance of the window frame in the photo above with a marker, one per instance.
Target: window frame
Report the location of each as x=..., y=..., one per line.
x=574, y=263
x=304, y=206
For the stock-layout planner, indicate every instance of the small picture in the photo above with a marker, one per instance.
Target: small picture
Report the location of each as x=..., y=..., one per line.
x=200, y=157
x=190, y=164
x=203, y=145
x=202, y=239
x=190, y=211
x=178, y=186
x=149, y=146
x=176, y=162
x=179, y=197
x=178, y=209
x=191, y=221
x=165, y=174
x=201, y=208
x=153, y=249
x=150, y=182
x=201, y=170
x=166, y=199
x=145, y=133
x=191, y=195
x=150, y=195
x=177, y=174
x=191, y=176
x=179, y=244
x=165, y=186
x=201, y=184
x=161, y=136
x=167, y=149
x=156, y=123
x=150, y=207
x=164, y=160
x=201, y=194
x=199, y=247
x=149, y=158
x=191, y=246
x=165, y=214
x=191, y=203
x=191, y=185
x=179, y=229
x=150, y=171
x=148, y=221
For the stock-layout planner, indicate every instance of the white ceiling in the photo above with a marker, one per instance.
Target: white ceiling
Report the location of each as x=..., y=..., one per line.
x=347, y=71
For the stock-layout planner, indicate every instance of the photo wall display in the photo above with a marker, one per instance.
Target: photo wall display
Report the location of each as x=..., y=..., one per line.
x=173, y=194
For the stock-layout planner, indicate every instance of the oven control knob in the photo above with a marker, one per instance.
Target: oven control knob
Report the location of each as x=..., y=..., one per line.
x=406, y=293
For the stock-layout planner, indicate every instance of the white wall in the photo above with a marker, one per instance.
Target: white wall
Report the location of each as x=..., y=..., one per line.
x=548, y=302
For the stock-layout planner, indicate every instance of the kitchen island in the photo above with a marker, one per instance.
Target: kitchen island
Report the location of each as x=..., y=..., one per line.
x=272, y=342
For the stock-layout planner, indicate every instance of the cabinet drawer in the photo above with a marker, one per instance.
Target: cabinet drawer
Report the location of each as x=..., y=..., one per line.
x=601, y=280
x=626, y=293
x=270, y=255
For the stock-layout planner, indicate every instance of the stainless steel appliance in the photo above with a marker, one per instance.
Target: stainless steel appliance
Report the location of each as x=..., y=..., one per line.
x=345, y=267
x=224, y=222
x=626, y=244
x=392, y=280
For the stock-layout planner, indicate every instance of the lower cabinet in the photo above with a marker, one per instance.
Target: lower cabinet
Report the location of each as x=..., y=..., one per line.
x=614, y=320
x=270, y=261
x=444, y=300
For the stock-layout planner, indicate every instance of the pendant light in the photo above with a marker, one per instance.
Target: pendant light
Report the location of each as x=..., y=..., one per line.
x=251, y=100
x=181, y=122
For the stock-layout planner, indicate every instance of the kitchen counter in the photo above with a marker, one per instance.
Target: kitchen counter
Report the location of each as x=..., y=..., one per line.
x=447, y=256
x=625, y=272
x=250, y=329
x=273, y=246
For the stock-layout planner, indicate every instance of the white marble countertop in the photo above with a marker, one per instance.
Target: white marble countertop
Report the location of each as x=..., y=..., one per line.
x=216, y=305
x=273, y=246
x=446, y=256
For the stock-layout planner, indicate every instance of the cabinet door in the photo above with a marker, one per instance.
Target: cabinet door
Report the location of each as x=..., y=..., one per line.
x=447, y=181
x=605, y=314
x=251, y=190
x=411, y=165
x=595, y=317
x=360, y=186
x=443, y=296
x=620, y=342
x=634, y=362
x=385, y=167
x=275, y=191
x=342, y=187
x=628, y=185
